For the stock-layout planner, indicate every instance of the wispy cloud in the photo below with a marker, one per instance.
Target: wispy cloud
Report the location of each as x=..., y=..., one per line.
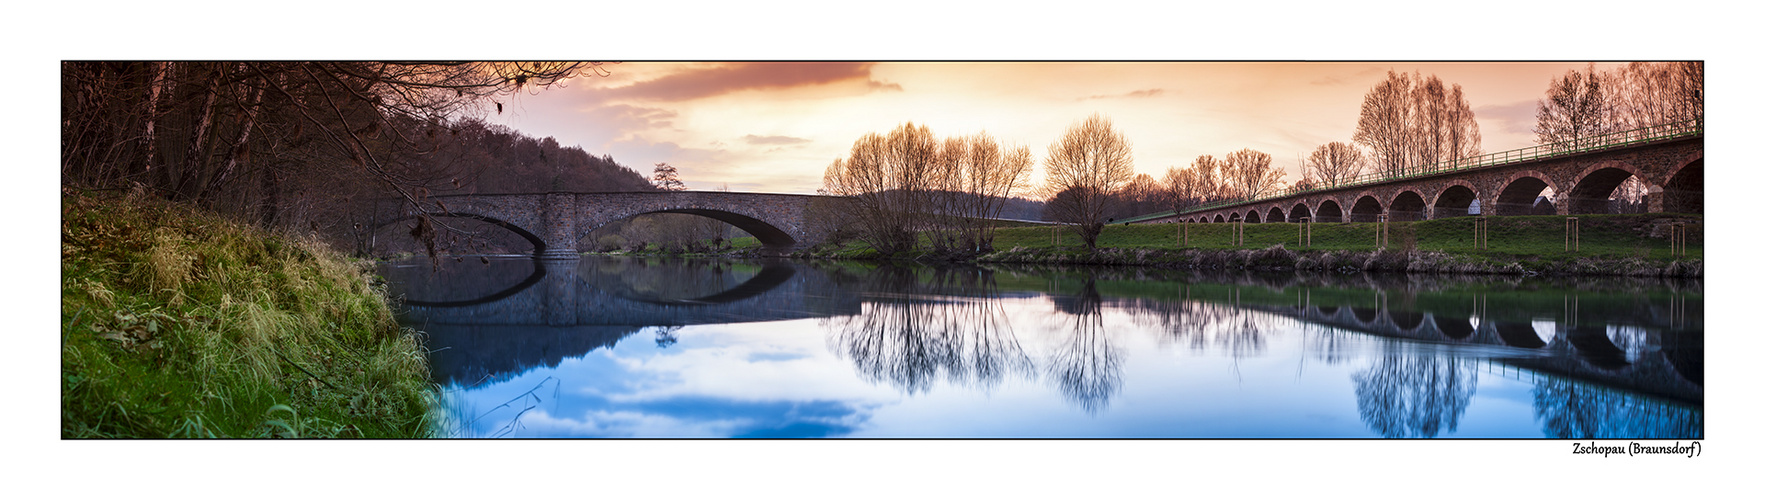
x=1333, y=80
x=1517, y=118
x=725, y=79
x=773, y=140
x=1138, y=94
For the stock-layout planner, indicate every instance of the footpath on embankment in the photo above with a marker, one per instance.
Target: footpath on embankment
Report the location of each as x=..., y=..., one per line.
x=179, y=323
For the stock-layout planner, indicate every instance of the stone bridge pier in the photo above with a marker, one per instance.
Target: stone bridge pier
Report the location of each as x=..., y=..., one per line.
x=555, y=222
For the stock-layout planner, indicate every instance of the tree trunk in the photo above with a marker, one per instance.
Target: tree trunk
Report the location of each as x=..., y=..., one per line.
x=231, y=163
x=194, y=157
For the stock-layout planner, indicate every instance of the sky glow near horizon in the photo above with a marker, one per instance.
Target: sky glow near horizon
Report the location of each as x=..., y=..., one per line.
x=776, y=126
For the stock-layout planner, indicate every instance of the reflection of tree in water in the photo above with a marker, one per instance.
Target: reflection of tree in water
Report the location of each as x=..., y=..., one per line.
x=665, y=336
x=1414, y=395
x=1085, y=366
x=1203, y=325
x=911, y=339
x=1330, y=344
x=1571, y=410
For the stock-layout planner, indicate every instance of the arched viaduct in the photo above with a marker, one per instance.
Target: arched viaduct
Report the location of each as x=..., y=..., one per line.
x=554, y=222
x=1672, y=171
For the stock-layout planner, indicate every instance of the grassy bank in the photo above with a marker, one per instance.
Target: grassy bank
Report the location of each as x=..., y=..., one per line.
x=177, y=323
x=1608, y=244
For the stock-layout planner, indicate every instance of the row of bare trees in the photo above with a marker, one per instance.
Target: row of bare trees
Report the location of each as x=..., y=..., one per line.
x=909, y=182
x=1243, y=174
x=1583, y=104
x=1580, y=105
x=1408, y=122
x=253, y=138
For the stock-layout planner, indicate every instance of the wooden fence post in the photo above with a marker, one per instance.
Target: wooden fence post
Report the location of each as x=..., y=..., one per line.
x=1572, y=234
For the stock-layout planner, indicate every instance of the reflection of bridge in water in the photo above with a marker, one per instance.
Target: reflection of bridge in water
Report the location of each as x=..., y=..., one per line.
x=1627, y=342
x=567, y=308
x=556, y=293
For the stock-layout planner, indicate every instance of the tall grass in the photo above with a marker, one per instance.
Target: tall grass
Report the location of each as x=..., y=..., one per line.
x=178, y=323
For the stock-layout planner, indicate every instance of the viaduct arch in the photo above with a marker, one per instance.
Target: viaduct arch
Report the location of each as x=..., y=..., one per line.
x=1670, y=168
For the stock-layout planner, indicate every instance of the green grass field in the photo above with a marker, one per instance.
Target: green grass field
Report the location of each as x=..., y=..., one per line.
x=1608, y=236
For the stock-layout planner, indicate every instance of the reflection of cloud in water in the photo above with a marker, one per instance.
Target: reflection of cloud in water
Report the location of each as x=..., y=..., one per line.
x=719, y=381
x=700, y=416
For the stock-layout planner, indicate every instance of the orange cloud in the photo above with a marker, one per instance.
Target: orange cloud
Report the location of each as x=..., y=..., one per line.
x=723, y=79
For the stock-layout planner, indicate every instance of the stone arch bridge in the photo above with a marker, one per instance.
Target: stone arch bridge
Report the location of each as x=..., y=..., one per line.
x=1668, y=160
x=555, y=221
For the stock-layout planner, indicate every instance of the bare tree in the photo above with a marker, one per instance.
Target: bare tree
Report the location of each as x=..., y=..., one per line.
x=978, y=176
x=889, y=178
x=1335, y=163
x=667, y=178
x=1408, y=122
x=1462, y=138
x=1384, y=123
x=1650, y=94
x=1252, y=173
x=1575, y=107
x=1181, y=188
x=1084, y=170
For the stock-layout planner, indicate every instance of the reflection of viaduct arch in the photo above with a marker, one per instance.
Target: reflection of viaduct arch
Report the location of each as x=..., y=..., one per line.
x=1518, y=334
x=532, y=279
x=1455, y=328
x=555, y=221
x=538, y=243
x=1596, y=348
x=557, y=294
x=769, y=277
x=1526, y=337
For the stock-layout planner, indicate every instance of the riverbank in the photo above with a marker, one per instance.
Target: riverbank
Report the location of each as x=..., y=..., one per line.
x=1618, y=245
x=179, y=323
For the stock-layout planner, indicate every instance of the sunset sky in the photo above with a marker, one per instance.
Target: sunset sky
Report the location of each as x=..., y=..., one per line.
x=775, y=126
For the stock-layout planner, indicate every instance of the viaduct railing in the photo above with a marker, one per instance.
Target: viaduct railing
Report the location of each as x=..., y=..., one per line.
x=1633, y=137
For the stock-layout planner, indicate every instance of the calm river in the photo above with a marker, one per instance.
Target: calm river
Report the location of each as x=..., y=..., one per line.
x=675, y=348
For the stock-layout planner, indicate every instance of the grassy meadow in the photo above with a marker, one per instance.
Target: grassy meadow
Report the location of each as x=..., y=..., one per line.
x=178, y=323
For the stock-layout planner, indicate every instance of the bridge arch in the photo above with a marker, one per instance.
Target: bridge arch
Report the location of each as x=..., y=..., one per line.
x=1683, y=189
x=1366, y=209
x=769, y=235
x=1518, y=191
x=1454, y=200
x=1300, y=211
x=1275, y=215
x=1252, y=217
x=1329, y=211
x=1408, y=206
x=1595, y=184
x=1217, y=218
